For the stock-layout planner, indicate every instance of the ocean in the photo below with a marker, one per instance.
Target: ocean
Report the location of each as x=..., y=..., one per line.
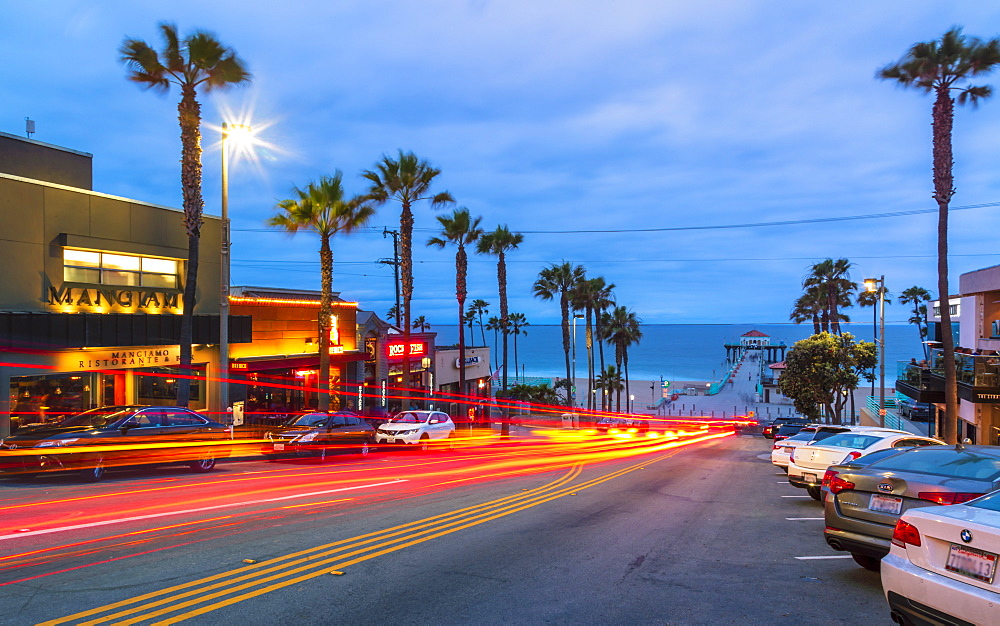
x=675, y=351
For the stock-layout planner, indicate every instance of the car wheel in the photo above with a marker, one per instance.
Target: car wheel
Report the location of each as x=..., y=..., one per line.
x=95, y=472
x=365, y=449
x=425, y=443
x=202, y=465
x=814, y=492
x=870, y=563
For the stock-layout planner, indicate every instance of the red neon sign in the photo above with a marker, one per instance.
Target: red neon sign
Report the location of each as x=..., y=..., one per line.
x=417, y=348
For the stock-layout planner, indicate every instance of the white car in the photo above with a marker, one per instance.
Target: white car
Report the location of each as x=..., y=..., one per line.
x=942, y=564
x=807, y=464
x=416, y=428
x=781, y=450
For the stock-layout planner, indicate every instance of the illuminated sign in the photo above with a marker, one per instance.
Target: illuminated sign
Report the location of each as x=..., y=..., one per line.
x=417, y=348
x=304, y=373
x=371, y=349
x=118, y=358
x=469, y=360
x=108, y=297
x=238, y=366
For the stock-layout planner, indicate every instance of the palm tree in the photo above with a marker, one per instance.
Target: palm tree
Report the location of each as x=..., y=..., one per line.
x=479, y=308
x=459, y=229
x=498, y=243
x=322, y=208
x=808, y=307
x=609, y=381
x=918, y=297
x=420, y=324
x=832, y=281
x=871, y=298
x=941, y=66
x=494, y=324
x=406, y=179
x=558, y=280
x=623, y=329
x=517, y=322
x=584, y=298
x=393, y=314
x=469, y=319
x=604, y=299
x=198, y=63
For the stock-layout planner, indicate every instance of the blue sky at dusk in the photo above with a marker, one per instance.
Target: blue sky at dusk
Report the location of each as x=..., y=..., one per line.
x=551, y=117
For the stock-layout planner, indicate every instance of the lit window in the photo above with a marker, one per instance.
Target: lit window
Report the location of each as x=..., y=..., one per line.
x=109, y=268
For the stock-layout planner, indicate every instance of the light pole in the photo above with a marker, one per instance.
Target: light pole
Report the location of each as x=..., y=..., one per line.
x=576, y=316
x=870, y=285
x=237, y=132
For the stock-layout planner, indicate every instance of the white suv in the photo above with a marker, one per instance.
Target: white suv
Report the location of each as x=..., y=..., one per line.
x=416, y=428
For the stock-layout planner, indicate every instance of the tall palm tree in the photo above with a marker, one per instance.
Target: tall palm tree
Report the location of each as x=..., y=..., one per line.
x=871, y=298
x=498, y=243
x=196, y=64
x=517, y=323
x=609, y=381
x=324, y=209
x=832, y=279
x=420, y=324
x=459, y=229
x=406, y=179
x=623, y=329
x=479, y=308
x=918, y=297
x=584, y=298
x=558, y=280
x=942, y=67
x=808, y=307
x=604, y=299
x=494, y=324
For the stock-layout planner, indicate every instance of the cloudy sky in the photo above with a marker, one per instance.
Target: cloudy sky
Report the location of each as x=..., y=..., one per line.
x=646, y=140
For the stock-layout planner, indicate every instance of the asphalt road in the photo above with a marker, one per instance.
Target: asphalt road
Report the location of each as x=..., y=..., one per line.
x=690, y=535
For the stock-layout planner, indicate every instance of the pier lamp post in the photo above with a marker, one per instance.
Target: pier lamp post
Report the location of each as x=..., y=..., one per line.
x=576, y=316
x=242, y=135
x=872, y=284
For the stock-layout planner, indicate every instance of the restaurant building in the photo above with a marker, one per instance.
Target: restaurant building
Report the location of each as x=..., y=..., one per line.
x=90, y=302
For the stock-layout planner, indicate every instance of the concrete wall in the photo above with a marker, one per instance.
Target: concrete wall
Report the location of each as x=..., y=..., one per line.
x=28, y=158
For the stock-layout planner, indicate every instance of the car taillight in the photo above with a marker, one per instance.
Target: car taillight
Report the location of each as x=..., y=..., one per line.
x=905, y=533
x=944, y=497
x=828, y=476
x=850, y=457
x=838, y=484
x=775, y=447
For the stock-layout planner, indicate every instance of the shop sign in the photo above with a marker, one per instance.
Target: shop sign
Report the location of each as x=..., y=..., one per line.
x=119, y=358
x=371, y=349
x=417, y=348
x=469, y=361
x=105, y=297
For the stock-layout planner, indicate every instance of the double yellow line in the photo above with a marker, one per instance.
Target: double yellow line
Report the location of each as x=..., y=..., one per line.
x=254, y=580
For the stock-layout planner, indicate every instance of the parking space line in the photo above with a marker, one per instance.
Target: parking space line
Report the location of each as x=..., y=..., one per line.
x=805, y=496
x=783, y=482
x=804, y=519
x=818, y=558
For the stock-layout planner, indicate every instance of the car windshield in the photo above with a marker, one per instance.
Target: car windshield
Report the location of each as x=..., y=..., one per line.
x=409, y=418
x=944, y=461
x=802, y=436
x=99, y=418
x=309, y=419
x=855, y=441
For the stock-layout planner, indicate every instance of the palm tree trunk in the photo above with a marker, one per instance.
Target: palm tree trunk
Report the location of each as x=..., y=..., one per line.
x=505, y=327
x=189, y=116
x=628, y=396
x=406, y=260
x=326, y=294
x=461, y=264
x=943, y=116
x=600, y=345
x=564, y=307
x=590, y=359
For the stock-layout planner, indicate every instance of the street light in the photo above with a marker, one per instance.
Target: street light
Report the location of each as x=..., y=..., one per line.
x=576, y=316
x=871, y=285
x=242, y=134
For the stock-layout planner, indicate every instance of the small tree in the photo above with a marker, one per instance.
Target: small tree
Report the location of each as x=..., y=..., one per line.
x=821, y=372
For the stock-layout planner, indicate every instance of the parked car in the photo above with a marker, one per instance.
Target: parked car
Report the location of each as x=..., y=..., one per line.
x=319, y=434
x=807, y=464
x=941, y=567
x=114, y=436
x=782, y=448
x=416, y=428
x=915, y=411
x=865, y=503
x=773, y=427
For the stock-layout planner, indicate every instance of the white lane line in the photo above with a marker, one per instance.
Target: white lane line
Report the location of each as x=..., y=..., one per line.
x=806, y=496
x=60, y=529
x=818, y=558
x=804, y=519
x=783, y=482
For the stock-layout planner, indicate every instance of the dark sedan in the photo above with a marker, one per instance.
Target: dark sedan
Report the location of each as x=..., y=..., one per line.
x=772, y=428
x=318, y=434
x=113, y=436
x=864, y=504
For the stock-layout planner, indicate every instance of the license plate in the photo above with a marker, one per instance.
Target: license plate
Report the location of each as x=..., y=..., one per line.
x=885, y=504
x=971, y=562
x=390, y=440
x=810, y=478
x=278, y=447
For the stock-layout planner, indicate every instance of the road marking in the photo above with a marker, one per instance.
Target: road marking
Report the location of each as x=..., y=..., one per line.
x=823, y=558
x=804, y=519
x=806, y=496
x=783, y=482
x=198, y=510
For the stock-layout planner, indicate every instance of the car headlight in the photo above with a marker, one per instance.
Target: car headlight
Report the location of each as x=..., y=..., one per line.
x=56, y=443
x=306, y=437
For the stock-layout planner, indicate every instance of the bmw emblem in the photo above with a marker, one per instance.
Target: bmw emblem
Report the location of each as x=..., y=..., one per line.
x=966, y=535
x=886, y=487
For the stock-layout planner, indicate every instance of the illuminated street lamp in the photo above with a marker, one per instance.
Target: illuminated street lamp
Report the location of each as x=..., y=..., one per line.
x=871, y=285
x=242, y=135
x=576, y=316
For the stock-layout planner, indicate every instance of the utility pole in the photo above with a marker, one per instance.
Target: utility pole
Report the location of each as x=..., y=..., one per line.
x=394, y=262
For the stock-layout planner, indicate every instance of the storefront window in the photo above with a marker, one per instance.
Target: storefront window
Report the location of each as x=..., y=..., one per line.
x=158, y=385
x=47, y=399
x=109, y=268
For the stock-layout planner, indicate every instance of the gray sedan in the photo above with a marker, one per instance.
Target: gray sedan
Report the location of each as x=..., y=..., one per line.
x=863, y=504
